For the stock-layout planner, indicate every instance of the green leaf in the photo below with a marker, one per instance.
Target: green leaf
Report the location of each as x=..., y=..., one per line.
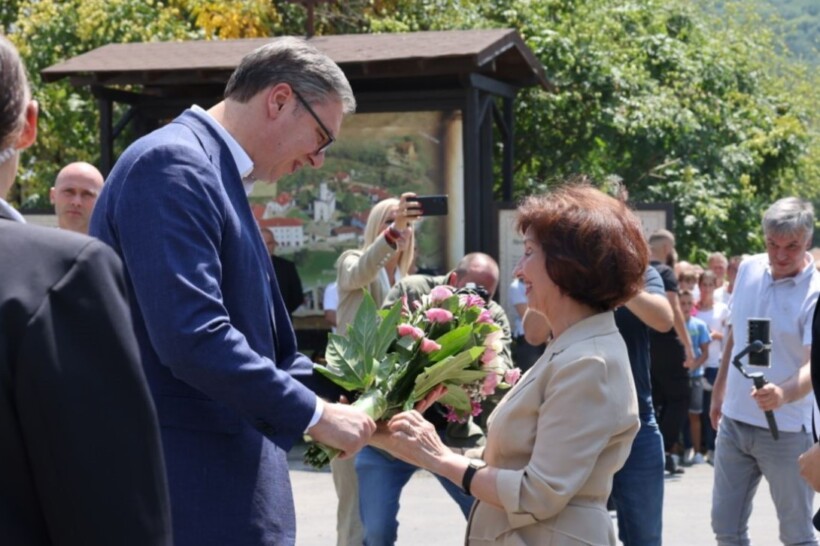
x=387, y=332
x=451, y=370
x=386, y=370
x=458, y=399
x=452, y=342
x=343, y=364
x=363, y=334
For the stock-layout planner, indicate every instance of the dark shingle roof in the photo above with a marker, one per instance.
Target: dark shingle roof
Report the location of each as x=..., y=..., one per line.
x=498, y=53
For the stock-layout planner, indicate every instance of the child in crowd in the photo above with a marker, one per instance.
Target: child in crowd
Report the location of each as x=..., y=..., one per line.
x=699, y=333
x=715, y=314
x=688, y=280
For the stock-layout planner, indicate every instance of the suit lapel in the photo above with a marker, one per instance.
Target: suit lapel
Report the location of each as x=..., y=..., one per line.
x=284, y=339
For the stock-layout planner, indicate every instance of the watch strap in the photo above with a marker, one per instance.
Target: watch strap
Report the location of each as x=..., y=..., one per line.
x=469, y=474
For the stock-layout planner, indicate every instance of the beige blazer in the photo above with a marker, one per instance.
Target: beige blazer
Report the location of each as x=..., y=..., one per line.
x=357, y=270
x=559, y=435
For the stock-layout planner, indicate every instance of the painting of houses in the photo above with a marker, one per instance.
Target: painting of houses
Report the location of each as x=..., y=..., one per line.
x=318, y=213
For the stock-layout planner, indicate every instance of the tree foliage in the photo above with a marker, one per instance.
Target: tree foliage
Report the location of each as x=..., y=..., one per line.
x=682, y=102
x=682, y=107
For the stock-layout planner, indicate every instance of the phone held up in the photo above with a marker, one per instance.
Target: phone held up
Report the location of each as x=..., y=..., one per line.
x=432, y=205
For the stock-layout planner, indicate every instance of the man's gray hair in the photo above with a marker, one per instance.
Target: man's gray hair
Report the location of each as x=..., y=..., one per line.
x=718, y=256
x=291, y=60
x=788, y=216
x=661, y=236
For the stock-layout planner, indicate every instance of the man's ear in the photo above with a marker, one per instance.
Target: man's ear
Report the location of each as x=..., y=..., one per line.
x=29, y=134
x=452, y=279
x=51, y=193
x=276, y=98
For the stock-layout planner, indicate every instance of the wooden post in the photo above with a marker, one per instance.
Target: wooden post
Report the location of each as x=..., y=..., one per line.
x=309, y=5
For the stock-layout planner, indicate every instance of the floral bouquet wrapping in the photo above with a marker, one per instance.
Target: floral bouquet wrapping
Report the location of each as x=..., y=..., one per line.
x=393, y=358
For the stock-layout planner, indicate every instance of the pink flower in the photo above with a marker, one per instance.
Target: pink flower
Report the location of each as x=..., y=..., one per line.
x=489, y=385
x=511, y=377
x=405, y=310
x=428, y=345
x=440, y=293
x=493, y=341
x=410, y=330
x=442, y=316
x=471, y=300
x=453, y=417
x=476, y=408
x=488, y=356
x=485, y=317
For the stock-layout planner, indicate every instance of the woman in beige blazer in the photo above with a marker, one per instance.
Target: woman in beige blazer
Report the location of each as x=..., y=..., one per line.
x=559, y=435
x=382, y=261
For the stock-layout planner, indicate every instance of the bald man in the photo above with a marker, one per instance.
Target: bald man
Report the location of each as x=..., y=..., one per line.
x=74, y=193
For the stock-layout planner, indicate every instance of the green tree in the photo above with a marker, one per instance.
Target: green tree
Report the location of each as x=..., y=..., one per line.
x=49, y=31
x=683, y=103
x=679, y=105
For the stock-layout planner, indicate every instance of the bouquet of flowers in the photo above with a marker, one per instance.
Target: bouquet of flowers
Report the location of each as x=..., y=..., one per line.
x=393, y=358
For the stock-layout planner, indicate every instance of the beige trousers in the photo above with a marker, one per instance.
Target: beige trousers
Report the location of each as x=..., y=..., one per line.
x=349, y=531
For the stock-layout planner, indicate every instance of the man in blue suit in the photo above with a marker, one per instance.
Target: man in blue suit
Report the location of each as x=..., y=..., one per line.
x=217, y=344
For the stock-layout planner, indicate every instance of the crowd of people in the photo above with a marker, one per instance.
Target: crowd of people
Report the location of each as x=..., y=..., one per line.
x=151, y=384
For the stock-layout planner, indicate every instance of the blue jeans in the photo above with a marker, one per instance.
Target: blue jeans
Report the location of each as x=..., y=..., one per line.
x=744, y=454
x=381, y=479
x=637, y=488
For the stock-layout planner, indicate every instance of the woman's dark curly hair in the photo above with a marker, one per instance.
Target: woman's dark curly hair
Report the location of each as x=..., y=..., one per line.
x=594, y=247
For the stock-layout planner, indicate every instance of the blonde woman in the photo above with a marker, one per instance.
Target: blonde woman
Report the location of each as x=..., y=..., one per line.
x=385, y=257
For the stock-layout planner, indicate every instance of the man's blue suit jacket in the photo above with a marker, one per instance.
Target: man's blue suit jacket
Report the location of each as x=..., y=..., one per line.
x=216, y=340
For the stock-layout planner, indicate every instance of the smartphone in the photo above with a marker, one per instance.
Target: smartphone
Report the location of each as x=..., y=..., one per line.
x=432, y=205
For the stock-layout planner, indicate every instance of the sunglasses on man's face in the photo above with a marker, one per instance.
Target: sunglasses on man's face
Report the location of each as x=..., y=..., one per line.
x=327, y=137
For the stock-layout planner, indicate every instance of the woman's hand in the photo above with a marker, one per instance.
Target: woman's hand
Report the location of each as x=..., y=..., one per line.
x=412, y=439
x=408, y=210
x=431, y=398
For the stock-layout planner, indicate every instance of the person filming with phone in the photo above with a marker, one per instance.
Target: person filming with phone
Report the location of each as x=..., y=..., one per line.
x=382, y=261
x=781, y=285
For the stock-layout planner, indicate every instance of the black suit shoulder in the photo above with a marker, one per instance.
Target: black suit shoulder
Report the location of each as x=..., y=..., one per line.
x=78, y=434
x=290, y=285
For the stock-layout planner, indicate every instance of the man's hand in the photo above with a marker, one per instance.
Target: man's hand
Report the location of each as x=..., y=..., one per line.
x=689, y=363
x=715, y=412
x=344, y=427
x=769, y=398
x=810, y=466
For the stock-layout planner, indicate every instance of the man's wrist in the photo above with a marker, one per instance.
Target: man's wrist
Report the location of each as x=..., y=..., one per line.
x=317, y=413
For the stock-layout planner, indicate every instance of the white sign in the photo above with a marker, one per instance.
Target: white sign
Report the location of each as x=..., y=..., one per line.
x=511, y=248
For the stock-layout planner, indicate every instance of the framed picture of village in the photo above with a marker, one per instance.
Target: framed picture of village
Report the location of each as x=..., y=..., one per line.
x=316, y=214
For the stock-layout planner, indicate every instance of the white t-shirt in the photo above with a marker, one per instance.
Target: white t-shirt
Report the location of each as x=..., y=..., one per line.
x=716, y=319
x=789, y=304
x=330, y=300
x=722, y=295
x=517, y=295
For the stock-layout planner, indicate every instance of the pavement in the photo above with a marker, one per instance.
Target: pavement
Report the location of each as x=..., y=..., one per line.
x=429, y=517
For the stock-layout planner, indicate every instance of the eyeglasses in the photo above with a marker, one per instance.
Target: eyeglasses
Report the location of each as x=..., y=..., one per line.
x=330, y=139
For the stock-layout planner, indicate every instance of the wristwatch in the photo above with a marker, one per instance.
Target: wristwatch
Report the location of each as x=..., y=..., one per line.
x=474, y=466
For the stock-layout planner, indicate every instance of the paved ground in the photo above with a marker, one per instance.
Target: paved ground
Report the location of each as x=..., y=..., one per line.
x=429, y=517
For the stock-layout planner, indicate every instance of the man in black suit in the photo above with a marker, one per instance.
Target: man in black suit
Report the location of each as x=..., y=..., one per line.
x=79, y=444
x=810, y=460
x=288, y=278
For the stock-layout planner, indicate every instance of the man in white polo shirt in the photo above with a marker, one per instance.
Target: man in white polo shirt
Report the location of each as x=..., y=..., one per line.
x=781, y=285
